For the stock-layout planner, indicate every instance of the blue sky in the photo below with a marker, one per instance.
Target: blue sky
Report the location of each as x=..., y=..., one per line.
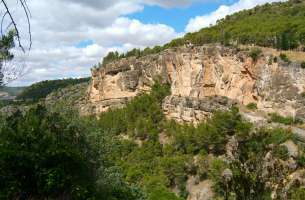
x=179, y=17
x=69, y=42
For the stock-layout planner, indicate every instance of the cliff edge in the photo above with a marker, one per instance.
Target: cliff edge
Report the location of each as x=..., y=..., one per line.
x=202, y=79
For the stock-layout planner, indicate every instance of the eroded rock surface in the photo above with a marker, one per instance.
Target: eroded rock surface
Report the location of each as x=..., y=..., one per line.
x=196, y=73
x=199, y=191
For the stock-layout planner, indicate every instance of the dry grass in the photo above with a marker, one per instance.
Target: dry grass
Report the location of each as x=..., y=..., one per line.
x=292, y=55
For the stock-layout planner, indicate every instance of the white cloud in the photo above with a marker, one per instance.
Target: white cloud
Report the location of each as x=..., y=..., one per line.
x=199, y=22
x=179, y=3
x=169, y=3
x=58, y=25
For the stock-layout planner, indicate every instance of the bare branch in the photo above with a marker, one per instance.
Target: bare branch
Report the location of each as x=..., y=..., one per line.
x=14, y=24
x=12, y=68
x=26, y=11
x=2, y=20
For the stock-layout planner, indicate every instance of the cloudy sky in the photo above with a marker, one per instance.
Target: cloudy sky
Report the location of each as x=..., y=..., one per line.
x=70, y=36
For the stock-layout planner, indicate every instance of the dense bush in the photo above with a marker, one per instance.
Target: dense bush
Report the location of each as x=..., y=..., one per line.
x=281, y=152
x=210, y=136
x=49, y=156
x=247, y=181
x=274, y=117
x=252, y=106
x=303, y=65
x=284, y=57
x=297, y=193
x=43, y=155
x=255, y=53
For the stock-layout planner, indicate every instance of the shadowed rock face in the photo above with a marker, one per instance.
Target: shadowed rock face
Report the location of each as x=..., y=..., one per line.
x=196, y=73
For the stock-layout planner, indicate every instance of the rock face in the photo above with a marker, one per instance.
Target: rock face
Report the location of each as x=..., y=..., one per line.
x=199, y=191
x=202, y=79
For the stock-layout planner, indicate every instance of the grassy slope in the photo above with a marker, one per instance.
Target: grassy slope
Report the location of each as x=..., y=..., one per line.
x=276, y=25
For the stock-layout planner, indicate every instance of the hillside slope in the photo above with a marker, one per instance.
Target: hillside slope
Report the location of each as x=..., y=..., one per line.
x=277, y=25
x=40, y=90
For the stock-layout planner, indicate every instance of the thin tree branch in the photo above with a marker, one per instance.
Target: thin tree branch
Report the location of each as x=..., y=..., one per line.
x=25, y=8
x=14, y=24
x=10, y=70
x=2, y=20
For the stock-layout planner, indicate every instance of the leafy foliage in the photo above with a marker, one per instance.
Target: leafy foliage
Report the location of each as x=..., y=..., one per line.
x=6, y=44
x=210, y=136
x=121, y=155
x=284, y=57
x=248, y=181
x=274, y=117
x=255, y=53
x=281, y=152
x=252, y=106
x=297, y=193
x=45, y=155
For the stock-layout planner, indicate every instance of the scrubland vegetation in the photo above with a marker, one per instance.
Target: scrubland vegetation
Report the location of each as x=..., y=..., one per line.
x=57, y=154
x=119, y=156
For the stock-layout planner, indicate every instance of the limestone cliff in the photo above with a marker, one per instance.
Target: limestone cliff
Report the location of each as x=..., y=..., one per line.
x=202, y=79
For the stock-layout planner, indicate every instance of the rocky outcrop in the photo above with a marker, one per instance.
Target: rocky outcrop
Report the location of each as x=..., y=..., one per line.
x=197, y=75
x=191, y=109
x=199, y=191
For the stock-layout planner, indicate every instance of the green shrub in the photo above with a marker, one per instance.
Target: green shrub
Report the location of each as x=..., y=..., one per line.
x=252, y=106
x=255, y=53
x=281, y=152
x=270, y=60
x=284, y=57
x=301, y=160
x=215, y=174
x=162, y=193
x=274, y=117
x=296, y=193
x=113, y=121
x=246, y=181
x=46, y=155
x=303, y=64
x=276, y=136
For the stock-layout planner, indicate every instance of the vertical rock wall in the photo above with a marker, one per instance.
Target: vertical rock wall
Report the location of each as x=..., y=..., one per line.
x=202, y=79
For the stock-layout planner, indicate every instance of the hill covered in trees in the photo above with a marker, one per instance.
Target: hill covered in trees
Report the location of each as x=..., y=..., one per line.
x=120, y=155
x=40, y=90
x=277, y=25
x=137, y=153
